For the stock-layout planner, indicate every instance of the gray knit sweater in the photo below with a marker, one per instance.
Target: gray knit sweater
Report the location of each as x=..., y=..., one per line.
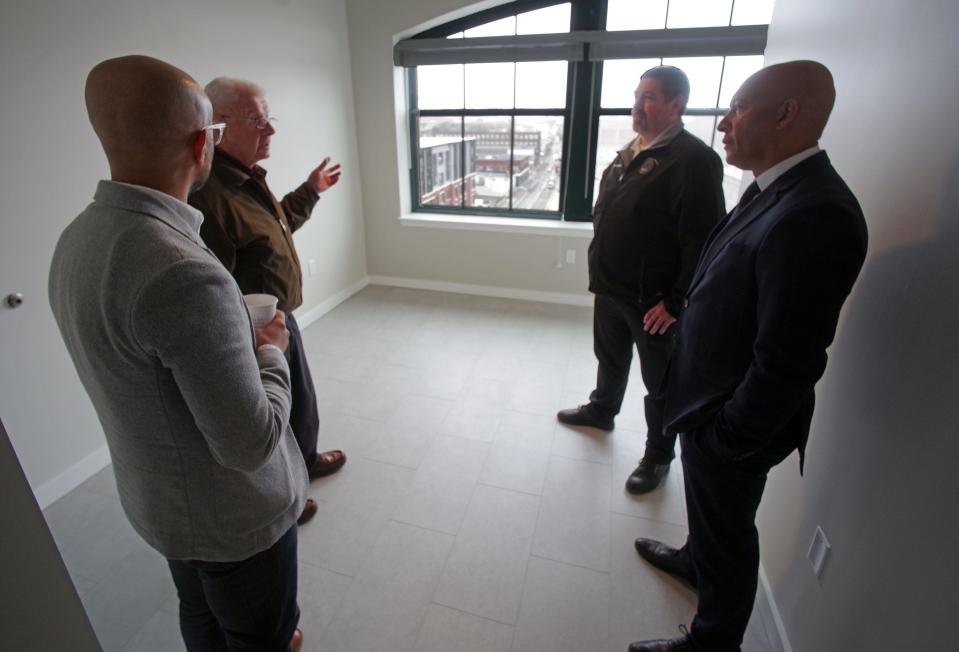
x=195, y=419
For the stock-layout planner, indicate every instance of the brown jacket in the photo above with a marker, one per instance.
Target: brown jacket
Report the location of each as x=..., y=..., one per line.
x=251, y=232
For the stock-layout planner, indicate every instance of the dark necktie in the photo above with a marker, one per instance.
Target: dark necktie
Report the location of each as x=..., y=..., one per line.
x=751, y=191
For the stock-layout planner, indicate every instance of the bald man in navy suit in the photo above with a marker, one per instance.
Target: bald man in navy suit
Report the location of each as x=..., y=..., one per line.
x=760, y=312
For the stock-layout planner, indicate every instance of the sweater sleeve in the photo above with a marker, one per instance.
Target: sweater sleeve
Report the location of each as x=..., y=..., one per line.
x=191, y=317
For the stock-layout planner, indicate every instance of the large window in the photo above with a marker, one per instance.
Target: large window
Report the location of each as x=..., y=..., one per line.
x=517, y=110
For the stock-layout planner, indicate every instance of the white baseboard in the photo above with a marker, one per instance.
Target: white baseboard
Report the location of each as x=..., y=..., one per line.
x=484, y=290
x=59, y=486
x=769, y=615
x=308, y=317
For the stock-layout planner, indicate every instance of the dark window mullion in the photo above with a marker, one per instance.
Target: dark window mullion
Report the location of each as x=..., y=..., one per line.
x=512, y=150
x=411, y=102
x=719, y=91
x=581, y=125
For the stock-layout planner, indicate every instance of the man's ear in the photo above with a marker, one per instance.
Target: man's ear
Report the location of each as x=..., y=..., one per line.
x=199, y=146
x=787, y=112
x=679, y=104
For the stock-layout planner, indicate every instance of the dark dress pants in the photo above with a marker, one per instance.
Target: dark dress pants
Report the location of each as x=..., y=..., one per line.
x=617, y=327
x=304, y=416
x=248, y=605
x=722, y=497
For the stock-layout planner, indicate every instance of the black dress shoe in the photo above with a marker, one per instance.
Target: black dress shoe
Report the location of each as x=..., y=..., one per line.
x=681, y=644
x=646, y=477
x=666, y=559
x=581, y=416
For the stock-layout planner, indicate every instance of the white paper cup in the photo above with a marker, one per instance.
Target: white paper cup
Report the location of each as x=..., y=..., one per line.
x=262, y=308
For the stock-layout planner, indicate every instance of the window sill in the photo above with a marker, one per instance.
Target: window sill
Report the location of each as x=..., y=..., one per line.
x=500, y=224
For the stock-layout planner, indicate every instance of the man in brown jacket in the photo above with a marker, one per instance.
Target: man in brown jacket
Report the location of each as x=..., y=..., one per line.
x=252, y=234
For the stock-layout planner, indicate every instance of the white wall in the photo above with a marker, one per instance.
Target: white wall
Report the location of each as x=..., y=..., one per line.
x=880, y=473
x=51, y=162
x=506, y=260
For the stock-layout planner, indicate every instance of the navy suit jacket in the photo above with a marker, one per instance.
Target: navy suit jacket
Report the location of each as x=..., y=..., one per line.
x=760, y=312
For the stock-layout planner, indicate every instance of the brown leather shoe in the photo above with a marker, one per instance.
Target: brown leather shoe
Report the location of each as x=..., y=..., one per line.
x=309, y=511
x=327, y=463
x=297, y=641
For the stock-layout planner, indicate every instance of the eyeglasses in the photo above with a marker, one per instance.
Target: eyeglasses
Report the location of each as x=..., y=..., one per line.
x=260, y=123
x=218, y=128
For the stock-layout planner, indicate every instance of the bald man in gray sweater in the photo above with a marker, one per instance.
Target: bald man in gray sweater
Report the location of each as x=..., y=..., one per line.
x=193, y=400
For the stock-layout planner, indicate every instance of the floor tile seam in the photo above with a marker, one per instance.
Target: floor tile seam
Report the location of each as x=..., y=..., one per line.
x=318, y=566
x=424, y=610
x=474, y=615
x=533, y=555
x=439, y=577
x=123, y=646
x=462, y=518
x=522, y=593
x=580, y=459
x=650, y=519
x=85, y=578
x=366, y=456
x=514, y=490
x=79, y=490
x=393, y=519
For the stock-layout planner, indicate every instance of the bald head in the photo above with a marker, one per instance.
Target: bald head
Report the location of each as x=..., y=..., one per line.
x=779, y=111
x=808, y=82
x=147, y=115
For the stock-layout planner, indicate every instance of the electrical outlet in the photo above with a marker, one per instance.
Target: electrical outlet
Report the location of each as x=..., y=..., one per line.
x=314, y=268
x=570, y=256
x=818, y=551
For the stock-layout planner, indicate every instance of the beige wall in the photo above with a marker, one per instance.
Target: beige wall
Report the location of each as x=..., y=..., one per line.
x=507, y=260
x=51, y=162
x=880, y=474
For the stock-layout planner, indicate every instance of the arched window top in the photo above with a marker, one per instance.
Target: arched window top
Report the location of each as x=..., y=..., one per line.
x=514, y=107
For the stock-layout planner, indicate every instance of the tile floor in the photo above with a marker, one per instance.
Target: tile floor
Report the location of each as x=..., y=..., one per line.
x=467, y=518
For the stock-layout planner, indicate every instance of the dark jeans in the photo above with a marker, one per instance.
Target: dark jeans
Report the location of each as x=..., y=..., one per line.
x=247, y=605
x=722, y=497
x=304, y=416
x=617, y=327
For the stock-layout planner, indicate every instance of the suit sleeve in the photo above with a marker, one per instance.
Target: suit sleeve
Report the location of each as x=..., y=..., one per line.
x=192, y=318
x=805, y=269
x=298, y=205
x=701, y=207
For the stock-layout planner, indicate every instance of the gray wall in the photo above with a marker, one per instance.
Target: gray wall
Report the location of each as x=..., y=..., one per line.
x=51, y=162
x=880, y=473
x=508, y=260
x=39, y=608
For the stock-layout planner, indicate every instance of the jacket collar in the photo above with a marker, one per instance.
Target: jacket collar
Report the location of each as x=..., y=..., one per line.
x=153, y=203
x=229, y=170
x=662, y=141
x=726, y=231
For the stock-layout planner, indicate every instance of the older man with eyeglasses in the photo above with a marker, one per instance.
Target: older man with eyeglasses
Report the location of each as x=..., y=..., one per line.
x=252, y=234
